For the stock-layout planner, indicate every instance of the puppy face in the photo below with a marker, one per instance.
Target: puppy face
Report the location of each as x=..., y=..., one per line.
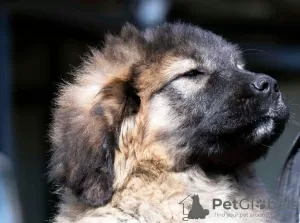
x=212, y=111
x=175, y=95
x=222, y=118
x=217, y=113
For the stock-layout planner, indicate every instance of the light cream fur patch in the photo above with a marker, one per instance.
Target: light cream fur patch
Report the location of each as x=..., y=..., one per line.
x=159, y=201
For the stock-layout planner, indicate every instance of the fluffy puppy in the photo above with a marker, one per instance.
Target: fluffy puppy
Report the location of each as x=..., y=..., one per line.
x=159, y=115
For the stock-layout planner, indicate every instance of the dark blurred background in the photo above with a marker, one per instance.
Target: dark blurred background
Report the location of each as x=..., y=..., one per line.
x=42, y=41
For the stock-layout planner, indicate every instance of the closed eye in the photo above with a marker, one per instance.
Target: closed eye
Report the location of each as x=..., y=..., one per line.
x=193, y=73
x=189, y=74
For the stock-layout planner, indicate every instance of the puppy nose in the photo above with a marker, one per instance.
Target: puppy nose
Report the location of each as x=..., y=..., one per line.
x=265, y=84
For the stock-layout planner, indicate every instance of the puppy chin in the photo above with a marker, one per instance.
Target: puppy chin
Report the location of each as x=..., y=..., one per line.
x=263, y=130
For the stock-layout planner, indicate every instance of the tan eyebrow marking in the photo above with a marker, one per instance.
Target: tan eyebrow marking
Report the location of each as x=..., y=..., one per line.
x=161, y=73
x=178, y=67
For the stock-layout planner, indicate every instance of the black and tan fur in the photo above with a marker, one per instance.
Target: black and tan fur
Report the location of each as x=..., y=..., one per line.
x=155, y=116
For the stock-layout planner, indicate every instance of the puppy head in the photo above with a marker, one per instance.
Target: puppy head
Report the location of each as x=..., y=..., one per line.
x=212, y=111
x=175, y=95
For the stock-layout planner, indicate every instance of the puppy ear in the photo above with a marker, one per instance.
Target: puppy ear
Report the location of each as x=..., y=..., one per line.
x=85, y=136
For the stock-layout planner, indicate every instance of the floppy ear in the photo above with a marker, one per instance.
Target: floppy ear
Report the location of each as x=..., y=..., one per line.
x=85, y=137
x=88, y=118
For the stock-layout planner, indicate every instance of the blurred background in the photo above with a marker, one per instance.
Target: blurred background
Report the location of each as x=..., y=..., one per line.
x=42, y=41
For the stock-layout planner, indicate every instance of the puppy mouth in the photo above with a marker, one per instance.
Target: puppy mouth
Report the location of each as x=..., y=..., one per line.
x=261, y=121
x=271, y=124
x=276, y=111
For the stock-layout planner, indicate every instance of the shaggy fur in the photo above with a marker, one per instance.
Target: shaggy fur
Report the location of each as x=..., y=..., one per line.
x=156, y=116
